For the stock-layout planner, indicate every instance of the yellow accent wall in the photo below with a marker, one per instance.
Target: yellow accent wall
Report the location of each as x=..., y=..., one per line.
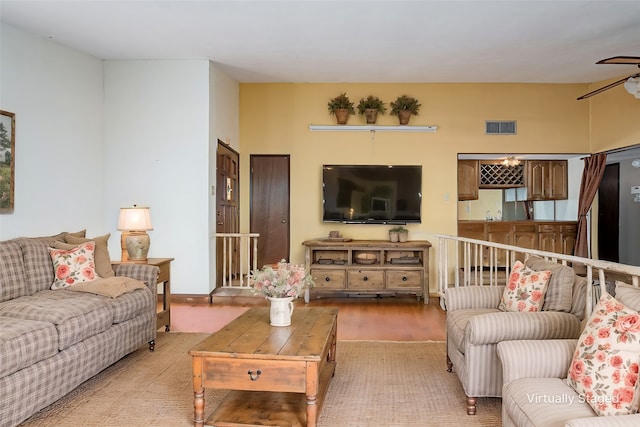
x=275, y=119
x=615, y=118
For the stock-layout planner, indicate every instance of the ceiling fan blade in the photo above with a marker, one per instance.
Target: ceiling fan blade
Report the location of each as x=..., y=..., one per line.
x=626, y=60
x=607, y=87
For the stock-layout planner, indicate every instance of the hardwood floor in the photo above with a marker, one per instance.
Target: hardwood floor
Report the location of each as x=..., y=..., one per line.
x=399, y=318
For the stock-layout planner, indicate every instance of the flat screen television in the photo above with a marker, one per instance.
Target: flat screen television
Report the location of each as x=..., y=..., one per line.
x=372, y=194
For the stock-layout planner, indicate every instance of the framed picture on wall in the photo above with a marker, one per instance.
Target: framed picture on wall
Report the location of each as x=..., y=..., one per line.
x=7, y=161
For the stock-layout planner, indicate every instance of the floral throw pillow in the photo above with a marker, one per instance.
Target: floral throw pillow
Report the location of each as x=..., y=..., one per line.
x=71, y=266
x=604, y=369
x=525, y=289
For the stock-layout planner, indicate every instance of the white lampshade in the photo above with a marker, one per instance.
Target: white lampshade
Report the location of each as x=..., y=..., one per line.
x=632, y=85
x=137, y=218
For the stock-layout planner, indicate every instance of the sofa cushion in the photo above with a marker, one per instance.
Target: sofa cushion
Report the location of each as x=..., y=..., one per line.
x=72, y=266
x=25, y=342
x=132, y=304
x=525, y=289
x=605, y=363
x=13, y=281
x=542, y=402
x=629, y=295
x=37, y=261
x=102, y=258
x=579, y=297
x=457, y=322
x=76, y=316
x=560, y=290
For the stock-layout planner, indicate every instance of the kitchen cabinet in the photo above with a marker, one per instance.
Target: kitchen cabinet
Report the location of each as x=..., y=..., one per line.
x=546, y=179
x=468, y=179
x=549, y=236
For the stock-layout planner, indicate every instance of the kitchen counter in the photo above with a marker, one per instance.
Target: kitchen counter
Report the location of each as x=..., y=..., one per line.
x=550, y=236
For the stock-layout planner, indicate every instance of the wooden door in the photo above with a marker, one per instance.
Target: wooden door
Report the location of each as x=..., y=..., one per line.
x=500, y=233
x=568, y=235
x=548, y=235
x=557, y=183
x=536, y=172
x=468, y=179
x=269, y=214
x=609, y=214
x=227, y=202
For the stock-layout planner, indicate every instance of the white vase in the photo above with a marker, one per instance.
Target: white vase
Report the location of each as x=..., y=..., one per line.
x=281, y=311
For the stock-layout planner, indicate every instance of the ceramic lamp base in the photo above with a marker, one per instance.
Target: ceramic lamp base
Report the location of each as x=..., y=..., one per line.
x=137, y=244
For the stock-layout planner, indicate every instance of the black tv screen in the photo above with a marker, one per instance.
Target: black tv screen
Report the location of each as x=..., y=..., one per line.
x=372, y=194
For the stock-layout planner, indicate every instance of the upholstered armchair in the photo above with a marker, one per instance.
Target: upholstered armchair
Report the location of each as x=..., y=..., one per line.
x=475, y=325
x=536, y=394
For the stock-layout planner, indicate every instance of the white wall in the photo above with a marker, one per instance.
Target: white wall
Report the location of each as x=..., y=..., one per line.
x=156, y=152
x=629, y=221
x=56, y=95
x=224, y=106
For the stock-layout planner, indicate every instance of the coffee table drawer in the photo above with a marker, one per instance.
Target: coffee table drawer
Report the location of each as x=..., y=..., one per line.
x=265, y=375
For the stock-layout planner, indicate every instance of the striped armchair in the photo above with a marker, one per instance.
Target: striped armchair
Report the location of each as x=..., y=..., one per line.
x=535, y=394
x=475, y=326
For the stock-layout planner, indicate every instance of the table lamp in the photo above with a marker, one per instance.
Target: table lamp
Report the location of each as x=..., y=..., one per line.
x=134, y=223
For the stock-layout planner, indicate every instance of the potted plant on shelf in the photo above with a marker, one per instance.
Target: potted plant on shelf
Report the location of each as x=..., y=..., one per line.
x=398, y=234
x=342, y=107
x=404, y=107
x=370, y=107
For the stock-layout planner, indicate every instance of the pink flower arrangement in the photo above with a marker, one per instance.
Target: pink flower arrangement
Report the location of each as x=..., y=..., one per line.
x=285, y=280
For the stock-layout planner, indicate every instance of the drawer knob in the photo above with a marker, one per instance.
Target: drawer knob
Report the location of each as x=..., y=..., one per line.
x=405, y=278
x=327, y=279
x=254, y=377
x=365, y=278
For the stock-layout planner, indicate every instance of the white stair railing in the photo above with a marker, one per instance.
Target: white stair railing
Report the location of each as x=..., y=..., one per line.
x=470, y=262
x=239, y=258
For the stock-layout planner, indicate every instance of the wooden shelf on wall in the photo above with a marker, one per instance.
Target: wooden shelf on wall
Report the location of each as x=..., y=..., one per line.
x=372, y=128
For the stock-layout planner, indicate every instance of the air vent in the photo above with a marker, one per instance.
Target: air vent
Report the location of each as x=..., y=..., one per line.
x=493, y=127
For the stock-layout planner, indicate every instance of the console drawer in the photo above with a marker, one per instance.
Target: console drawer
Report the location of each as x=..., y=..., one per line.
x=328, y=279
x=404, y=279
x=366, y=279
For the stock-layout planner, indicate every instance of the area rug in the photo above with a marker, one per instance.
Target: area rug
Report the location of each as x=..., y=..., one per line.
x=376, y=383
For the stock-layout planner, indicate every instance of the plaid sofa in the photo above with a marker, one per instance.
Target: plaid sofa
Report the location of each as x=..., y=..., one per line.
x=53, y=340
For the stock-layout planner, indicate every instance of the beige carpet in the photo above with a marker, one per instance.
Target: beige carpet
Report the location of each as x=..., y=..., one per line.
x=377, y=383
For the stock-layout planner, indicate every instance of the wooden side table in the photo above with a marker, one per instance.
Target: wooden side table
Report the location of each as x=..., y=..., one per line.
x=164, y=277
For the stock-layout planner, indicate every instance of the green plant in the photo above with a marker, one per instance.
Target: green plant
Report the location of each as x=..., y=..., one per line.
x=371, y=102
x=341, y=102
x=398, y=229
x=405, y=103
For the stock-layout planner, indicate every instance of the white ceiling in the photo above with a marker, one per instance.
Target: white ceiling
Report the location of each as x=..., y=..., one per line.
x=352, y=41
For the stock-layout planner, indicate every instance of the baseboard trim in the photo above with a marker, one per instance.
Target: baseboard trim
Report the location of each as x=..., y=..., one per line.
x=188, y=298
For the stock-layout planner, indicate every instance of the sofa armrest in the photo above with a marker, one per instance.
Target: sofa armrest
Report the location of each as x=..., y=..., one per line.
x=473, y=297
x=610, y=421
x=146, y=273
x=494, y=327
x=535, y=358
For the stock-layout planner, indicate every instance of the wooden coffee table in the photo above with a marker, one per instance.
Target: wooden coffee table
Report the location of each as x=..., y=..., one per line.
x=278, y=375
